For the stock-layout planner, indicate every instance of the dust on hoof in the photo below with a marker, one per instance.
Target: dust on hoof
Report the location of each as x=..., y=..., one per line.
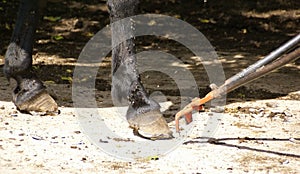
x=151, y=125
x=42, y=102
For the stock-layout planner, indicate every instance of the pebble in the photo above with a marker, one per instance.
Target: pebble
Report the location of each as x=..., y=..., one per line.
x=277, y=111
x=255, y=116
x=35, y=137
x=286, y=162
x=260, y=114
x=252, y=110
x=77, y=132
x=21, y=134
x=218, y=109
x=288, y=113
x=14, y=115
x=272, y=104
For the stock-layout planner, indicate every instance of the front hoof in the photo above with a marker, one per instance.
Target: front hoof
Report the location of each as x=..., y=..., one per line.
x=151, y=125
x=41, y=102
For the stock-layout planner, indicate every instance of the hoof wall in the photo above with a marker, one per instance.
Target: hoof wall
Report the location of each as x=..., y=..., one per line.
x=41, y=102
x=151, y=125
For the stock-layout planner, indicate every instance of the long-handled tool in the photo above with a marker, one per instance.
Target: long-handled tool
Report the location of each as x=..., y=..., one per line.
x=272, y=61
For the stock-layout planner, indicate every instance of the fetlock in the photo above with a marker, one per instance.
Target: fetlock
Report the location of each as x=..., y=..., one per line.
x=139, y=101
x=17, y=61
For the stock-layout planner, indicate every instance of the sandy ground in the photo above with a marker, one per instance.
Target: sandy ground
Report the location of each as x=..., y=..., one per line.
x=253, y=137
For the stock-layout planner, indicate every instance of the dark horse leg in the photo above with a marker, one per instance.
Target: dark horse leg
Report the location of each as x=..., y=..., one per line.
x=143, y=114
x=30, y=93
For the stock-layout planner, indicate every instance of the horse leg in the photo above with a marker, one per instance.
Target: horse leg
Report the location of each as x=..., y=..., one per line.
x=143, y=114
x=30, y=93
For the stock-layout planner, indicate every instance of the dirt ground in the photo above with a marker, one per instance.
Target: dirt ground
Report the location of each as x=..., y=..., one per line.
x=259, y=132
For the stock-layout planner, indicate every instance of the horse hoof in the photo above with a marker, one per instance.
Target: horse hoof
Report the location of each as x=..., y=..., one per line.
x=151, y=125
x=41, y=102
